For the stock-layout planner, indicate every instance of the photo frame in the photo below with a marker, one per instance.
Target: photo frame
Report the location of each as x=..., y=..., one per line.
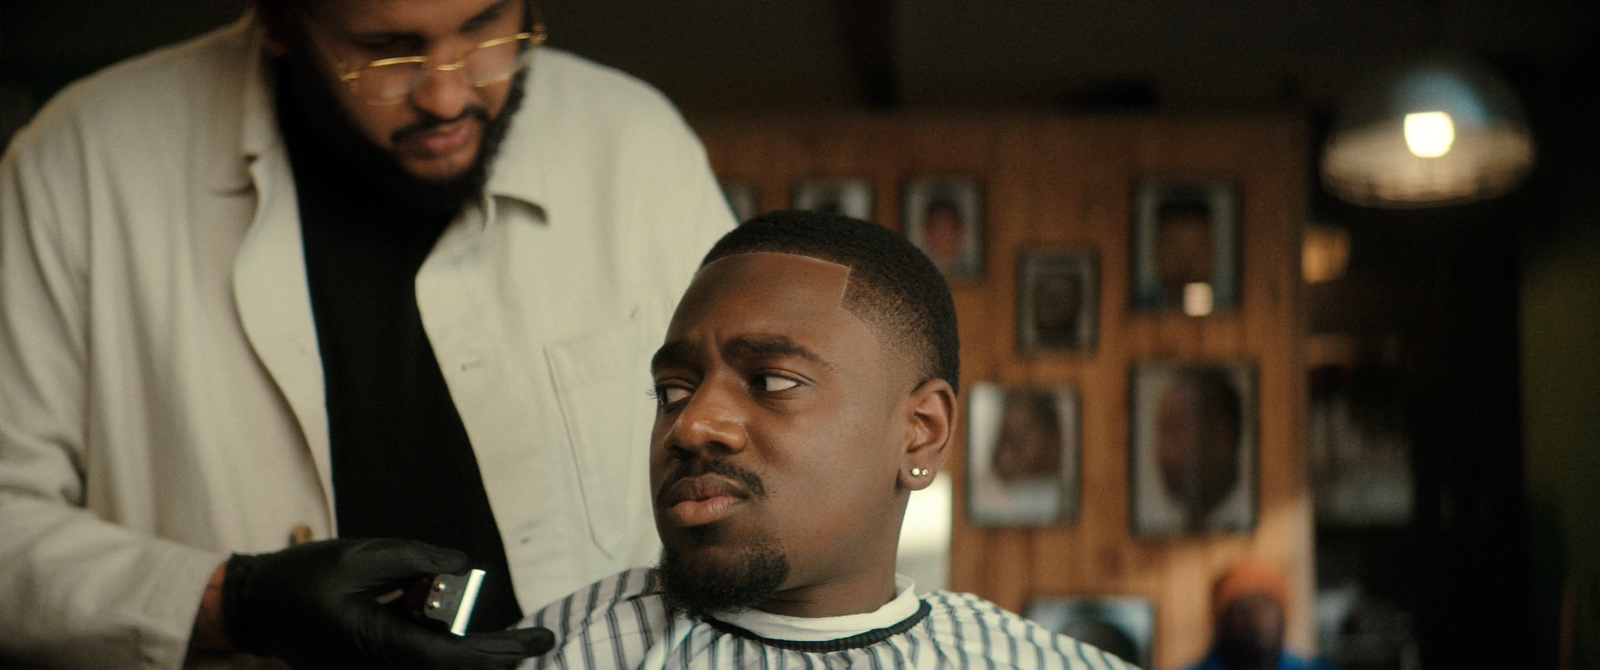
x=1022, y=455
x=1057, y=300
x=1186, y=245
x=743, y=199
x=943, y=216
x=1120, y=625
x=1193, y=454
x=1357, y=447
x=850, y=196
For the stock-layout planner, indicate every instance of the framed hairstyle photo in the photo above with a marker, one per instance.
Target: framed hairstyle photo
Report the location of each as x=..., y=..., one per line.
x=1057, y=300
x=850, y=196
x=943, y=216
x=743, y=199
x=1186, y=245
x=1193, y=456
x=1022, y=455
x=1120, y=625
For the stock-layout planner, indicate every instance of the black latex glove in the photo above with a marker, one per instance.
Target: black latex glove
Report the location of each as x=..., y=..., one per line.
x=314, y=605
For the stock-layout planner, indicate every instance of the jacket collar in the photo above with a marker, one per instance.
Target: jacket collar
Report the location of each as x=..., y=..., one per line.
x=260, y=132
x=518, y=173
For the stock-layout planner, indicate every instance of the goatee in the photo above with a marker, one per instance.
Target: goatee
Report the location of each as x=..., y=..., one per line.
x=706, y=588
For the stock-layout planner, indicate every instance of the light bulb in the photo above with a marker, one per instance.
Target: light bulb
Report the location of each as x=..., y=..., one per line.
x=1197, y=298
x=1429, y=134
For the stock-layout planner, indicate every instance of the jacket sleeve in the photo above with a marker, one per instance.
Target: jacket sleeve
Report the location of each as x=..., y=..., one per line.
x=80, y=590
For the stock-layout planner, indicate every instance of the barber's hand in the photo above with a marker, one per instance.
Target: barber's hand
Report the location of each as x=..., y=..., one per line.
x=314, y=605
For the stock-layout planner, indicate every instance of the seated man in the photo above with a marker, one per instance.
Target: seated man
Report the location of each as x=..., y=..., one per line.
x=807, y=385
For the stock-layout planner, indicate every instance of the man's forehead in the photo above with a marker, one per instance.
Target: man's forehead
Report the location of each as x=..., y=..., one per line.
x=782, y=261
x=407, y=16
x=770, y=273
x=764, y=287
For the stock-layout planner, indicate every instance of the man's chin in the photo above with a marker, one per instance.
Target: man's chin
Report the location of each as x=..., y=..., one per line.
x=434, y=186
x=438, y=171
x=701, y=583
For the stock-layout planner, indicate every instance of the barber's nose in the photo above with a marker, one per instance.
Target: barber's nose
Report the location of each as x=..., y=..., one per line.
x=709, y=421
x=444, y=95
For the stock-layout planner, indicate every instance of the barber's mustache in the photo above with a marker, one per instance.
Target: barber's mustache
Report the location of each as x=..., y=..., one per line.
x=430, y=122
x=701, y=466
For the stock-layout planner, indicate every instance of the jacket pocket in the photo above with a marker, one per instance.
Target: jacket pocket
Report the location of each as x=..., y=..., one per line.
x=601, y=378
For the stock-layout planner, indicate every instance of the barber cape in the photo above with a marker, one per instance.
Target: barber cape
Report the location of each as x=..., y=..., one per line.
x=620, y=623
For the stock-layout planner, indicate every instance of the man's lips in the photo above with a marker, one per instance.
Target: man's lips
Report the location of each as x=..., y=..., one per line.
x=701, y=499
x=437, y=137
x=445, y=140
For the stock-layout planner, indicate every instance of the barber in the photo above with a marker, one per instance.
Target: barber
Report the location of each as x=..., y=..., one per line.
x=382, y=269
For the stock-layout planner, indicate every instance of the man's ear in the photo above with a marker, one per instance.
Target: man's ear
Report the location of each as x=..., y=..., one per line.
x=273, y=17
x=931, y=424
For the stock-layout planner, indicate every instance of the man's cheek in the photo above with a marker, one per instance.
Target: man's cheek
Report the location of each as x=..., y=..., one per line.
x=374, y=122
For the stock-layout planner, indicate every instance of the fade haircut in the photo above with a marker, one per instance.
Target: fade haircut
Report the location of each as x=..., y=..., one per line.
x=894, y=288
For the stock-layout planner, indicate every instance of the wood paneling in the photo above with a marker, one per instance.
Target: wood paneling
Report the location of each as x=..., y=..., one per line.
x=1066, y=181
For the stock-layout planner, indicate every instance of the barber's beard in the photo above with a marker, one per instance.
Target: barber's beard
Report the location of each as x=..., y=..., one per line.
x=378, y=168
x=704, y=588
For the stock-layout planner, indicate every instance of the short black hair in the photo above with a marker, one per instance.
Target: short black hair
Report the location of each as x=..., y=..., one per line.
x=282, y=17
x=893, y=288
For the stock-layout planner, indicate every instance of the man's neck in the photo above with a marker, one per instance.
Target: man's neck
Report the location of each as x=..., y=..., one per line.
x=863, y=593
x=897, y=612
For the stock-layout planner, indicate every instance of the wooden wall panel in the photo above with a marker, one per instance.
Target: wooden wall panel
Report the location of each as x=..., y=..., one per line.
x=1067, y=182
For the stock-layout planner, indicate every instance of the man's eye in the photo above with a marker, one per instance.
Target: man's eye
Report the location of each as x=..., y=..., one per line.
x=667, y=395
x=388, y=47
x=775, y=383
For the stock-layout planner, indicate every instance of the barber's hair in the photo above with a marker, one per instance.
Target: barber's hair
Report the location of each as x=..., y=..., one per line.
x=281, y=16
x=893, y=287
x=284, y=8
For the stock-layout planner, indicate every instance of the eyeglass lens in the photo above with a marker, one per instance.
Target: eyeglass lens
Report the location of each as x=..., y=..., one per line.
x=481, y=66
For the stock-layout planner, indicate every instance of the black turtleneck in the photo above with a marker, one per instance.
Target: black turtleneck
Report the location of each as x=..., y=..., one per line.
x=403, y=465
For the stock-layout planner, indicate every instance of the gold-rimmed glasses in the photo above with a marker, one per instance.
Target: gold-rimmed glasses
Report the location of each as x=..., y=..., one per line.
x=389, y=80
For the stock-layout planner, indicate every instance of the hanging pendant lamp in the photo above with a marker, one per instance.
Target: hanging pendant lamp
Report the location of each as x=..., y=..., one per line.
x=1438, y=132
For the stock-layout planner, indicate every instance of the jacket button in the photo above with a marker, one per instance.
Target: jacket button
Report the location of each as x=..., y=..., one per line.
x=300, y=534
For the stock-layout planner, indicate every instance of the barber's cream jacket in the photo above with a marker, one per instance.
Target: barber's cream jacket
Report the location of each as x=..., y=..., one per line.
x=161, y=398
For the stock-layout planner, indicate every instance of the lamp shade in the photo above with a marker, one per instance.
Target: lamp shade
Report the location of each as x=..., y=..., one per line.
x=1440, y=131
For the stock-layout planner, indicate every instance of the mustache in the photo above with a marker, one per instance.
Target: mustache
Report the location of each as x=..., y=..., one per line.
x=429, y=122
x=703, y=466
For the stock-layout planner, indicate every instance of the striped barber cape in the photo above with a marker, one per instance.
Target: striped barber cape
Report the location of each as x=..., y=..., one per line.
x=620, y=623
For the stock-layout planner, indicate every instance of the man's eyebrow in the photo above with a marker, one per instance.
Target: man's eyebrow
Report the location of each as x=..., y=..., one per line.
x=386, y=37
x=675, y=352
x=767, y=346
x=680, y=352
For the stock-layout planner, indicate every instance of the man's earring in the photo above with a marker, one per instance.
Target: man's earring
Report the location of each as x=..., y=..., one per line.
x=919, y=472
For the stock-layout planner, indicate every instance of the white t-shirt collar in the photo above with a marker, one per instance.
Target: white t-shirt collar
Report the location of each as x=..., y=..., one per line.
x=804, y=629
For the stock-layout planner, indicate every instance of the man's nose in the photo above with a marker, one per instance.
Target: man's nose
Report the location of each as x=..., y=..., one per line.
x=444, y=95
x=710, y=421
